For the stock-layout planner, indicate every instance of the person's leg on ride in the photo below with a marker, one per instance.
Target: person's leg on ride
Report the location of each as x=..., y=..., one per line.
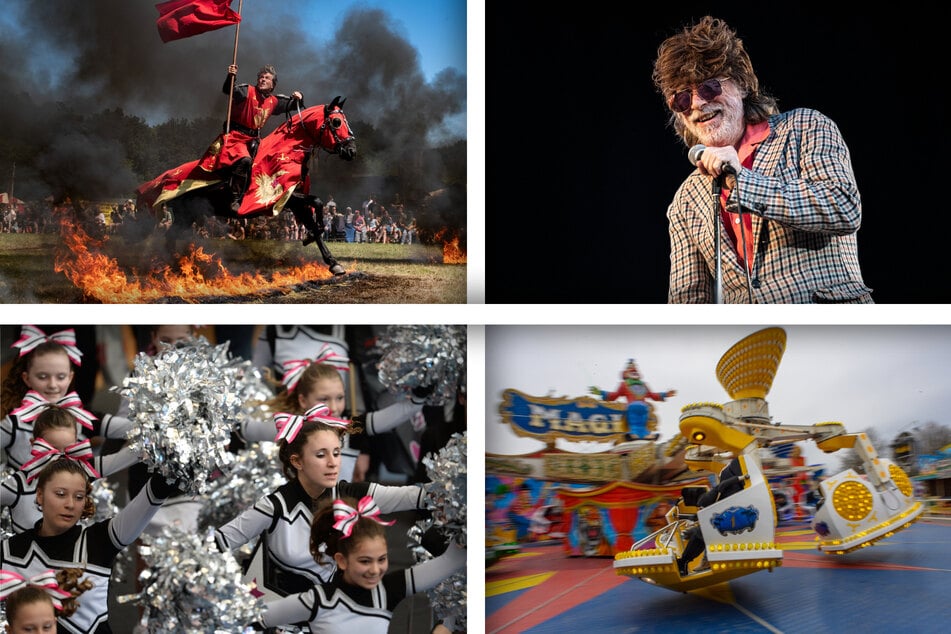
x=695, y=546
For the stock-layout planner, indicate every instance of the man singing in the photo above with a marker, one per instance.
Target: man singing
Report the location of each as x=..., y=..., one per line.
x=788, y=207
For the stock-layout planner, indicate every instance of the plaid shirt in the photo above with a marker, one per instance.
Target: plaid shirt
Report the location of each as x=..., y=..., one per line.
x=805, y=208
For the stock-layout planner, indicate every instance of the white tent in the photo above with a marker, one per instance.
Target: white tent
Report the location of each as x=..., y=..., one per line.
x=7, y=199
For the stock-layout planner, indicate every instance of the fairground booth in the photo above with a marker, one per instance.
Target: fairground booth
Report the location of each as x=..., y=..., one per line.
x=597, y=503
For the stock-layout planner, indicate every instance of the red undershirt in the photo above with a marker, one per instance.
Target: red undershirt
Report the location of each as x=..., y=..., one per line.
x=752, y=137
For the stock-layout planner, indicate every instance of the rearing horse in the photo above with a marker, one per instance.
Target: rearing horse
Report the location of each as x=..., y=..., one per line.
x=278, y=181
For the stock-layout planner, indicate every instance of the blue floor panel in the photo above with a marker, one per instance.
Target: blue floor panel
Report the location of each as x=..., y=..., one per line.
x=898, y=585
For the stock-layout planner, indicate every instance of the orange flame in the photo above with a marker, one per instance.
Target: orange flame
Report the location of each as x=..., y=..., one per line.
x=201, y=274
x=452, y=253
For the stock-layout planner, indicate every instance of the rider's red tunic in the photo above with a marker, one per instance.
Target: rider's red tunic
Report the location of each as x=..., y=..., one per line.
x=250, y=112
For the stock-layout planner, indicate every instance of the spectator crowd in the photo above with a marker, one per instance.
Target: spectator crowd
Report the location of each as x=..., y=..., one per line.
x=370, y=221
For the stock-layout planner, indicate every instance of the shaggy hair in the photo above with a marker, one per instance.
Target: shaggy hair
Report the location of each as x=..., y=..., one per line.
x=709, y=48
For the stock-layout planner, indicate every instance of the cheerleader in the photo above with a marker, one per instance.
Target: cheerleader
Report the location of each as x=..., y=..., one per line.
x=314, y=383
x=307, y=382
x=281, y=346
x=59, y=541
x=310, y=453
x=361, y=595
x=42, y=376
x=31, y=604
x=54, y=437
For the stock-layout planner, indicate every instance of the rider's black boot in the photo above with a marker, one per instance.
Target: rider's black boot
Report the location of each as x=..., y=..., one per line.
x=240, y=177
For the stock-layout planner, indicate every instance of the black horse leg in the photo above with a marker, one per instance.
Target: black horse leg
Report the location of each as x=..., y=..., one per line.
x=331, y=261
x=307, y=210
x=174, y=231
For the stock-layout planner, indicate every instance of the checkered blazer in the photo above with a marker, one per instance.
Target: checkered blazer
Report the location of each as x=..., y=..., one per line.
x=805, y=208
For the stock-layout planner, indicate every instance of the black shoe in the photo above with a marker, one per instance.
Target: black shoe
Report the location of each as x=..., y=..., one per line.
x=682, y=566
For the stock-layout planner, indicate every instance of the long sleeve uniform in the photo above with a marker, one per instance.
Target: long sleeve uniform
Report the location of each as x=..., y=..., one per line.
x=19, y=495
x=93, y=548
x=337, y=606
x=16, y=436
x=283, y=520
x=374, y=423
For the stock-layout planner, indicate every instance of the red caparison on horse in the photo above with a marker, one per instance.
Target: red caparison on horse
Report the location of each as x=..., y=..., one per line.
x=279, y=177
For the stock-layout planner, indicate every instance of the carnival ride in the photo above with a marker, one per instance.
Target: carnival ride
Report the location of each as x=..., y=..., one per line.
x=859, y=510
x=739, y=531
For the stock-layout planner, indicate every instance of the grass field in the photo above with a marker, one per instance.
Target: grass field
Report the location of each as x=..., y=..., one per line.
x=225, y=271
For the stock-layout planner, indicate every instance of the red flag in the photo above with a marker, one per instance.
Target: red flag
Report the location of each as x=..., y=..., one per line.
x=183, y=18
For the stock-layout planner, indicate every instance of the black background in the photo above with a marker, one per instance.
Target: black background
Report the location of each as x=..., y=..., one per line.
x=581, y=165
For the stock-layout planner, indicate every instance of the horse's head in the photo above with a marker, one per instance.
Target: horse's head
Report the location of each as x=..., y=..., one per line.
x=334, y=134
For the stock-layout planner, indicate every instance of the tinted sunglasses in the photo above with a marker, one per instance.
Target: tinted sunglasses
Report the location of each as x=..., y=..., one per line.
x=708, y=91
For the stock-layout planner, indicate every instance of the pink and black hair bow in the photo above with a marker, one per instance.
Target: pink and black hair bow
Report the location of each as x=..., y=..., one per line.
x=295, y=368
x=33, y=405
x=31, y=337
x=345, y=516
x=11, y=581
x=289, y=425
x=45, y=453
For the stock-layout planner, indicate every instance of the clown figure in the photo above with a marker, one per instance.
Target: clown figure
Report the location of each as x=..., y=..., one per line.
x=635, y=392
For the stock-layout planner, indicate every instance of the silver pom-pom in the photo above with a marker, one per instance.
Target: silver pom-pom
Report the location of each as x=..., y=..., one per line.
x=446, y=491
x=189, y=586
x=421, y=356
x=182, y=405
x=252, y=476
x=250, y=389
x=446, y=497
x=103, y=496
x=6, y=520
x=6, y=523
x=449, y=599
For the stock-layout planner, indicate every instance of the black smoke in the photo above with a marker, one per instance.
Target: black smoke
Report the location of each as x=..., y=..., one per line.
x=64, y=62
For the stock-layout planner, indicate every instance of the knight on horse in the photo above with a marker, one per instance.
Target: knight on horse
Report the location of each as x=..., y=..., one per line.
x=278, y=177
x=278, y=180
x=242, y=175
x=250, y=108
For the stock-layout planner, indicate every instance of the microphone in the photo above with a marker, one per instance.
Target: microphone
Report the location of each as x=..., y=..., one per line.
x=697, y=151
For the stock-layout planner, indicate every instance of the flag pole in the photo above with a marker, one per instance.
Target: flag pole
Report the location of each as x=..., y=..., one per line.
x=234, y=62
